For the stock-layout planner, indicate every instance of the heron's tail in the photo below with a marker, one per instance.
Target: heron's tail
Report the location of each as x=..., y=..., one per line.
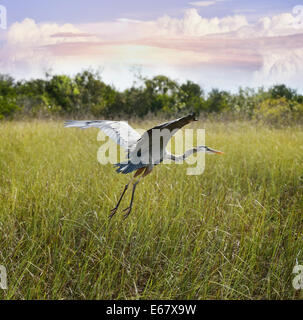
x=128, y=167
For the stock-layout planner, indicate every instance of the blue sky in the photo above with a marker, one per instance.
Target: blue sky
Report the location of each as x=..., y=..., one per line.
x=217, y=43
x=77, y=11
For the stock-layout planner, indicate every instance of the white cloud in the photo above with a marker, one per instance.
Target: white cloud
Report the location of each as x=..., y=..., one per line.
x=279, y=25
x=194, y=25
x=281, y=66
x=23, y=54
x=204, y=3
x=270, y=50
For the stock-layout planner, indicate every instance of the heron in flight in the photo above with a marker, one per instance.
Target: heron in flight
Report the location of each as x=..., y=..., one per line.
x=143, y=152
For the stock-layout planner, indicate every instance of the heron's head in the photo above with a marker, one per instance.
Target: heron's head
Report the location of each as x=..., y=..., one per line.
x=208, y=150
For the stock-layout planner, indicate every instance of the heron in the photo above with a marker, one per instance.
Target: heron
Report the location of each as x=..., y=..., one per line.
x=141, y=154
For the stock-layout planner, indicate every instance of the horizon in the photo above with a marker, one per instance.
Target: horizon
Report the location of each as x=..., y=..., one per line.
x=139, y=82
x=225, y=44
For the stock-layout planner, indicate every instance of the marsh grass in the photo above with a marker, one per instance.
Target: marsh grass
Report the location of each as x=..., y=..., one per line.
x=232, y=233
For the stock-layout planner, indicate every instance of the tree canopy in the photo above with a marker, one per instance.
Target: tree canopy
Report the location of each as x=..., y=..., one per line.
x=87, y=95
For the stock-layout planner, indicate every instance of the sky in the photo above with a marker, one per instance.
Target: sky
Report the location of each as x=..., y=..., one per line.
x=221, y=44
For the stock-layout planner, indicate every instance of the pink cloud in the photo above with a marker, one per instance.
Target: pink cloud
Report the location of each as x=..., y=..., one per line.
x=70, y=35
x=265, y=49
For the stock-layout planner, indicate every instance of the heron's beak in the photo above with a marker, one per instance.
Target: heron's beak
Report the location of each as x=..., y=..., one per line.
x=218, y=152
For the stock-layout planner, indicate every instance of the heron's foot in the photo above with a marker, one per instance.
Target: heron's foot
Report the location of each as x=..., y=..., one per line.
x=127, y=212
x=113, y=212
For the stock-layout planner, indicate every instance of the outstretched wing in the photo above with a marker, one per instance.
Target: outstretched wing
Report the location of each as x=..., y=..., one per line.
x=175, y=124
x=153, y=142
x=119, y=131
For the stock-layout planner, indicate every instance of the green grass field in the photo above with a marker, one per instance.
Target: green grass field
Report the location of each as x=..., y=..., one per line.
x=232, y=233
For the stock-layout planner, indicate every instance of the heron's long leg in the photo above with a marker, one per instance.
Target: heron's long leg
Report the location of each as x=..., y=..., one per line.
x=114, y=210
x=129, y=209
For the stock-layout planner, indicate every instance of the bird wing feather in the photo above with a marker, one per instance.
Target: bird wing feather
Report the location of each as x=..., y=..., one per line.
x=119, y=131
x=146, y=144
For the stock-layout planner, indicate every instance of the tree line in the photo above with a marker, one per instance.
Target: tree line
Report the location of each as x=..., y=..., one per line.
x=86, y=95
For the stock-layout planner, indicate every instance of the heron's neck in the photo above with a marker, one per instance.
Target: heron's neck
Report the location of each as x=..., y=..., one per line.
x=182, y=157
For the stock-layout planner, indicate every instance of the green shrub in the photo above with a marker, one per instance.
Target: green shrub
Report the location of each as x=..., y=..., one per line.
x=276, y=111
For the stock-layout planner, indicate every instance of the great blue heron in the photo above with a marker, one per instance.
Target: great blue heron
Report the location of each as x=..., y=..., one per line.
x=143, y=152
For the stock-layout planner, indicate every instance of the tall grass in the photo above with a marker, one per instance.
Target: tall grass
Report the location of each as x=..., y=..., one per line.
x=234, y=232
